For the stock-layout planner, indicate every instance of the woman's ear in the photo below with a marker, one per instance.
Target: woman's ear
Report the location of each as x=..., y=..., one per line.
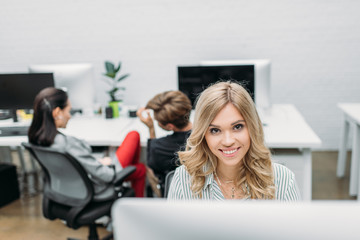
x=170, y=127
x=56, y=112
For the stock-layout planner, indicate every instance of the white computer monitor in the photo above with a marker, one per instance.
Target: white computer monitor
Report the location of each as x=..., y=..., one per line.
x=140, y=219
x=262, y=78
x=77, y=79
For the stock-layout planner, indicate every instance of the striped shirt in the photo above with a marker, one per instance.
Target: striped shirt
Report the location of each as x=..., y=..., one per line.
x=284, y=179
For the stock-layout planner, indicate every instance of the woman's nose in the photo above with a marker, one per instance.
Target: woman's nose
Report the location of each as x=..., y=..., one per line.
x=228, y=139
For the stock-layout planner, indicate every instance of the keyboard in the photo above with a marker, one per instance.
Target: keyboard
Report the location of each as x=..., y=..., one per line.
x=14, y=131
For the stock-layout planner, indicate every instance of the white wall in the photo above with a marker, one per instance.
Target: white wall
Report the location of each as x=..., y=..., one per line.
x=314, y=45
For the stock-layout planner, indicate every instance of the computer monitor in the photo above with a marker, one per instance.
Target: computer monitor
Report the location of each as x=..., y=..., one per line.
x=18, y=90
x=192, y=80
x=202, y=220
x=253, y=74
x=77, y=79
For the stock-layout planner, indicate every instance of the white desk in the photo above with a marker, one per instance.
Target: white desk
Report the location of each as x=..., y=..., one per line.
x=351, y=116
x=7, y=142
x=13, y=141
x=291, y=140
x=286, y=132
x=98, y=131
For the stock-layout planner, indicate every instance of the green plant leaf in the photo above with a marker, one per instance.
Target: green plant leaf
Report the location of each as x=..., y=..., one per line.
x=111, y=75
x=123, y=77
x=118, y=68
x=110, y=68
x=114, y=90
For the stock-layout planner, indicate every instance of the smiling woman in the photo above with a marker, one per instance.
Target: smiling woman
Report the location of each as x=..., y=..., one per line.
x=225, y=155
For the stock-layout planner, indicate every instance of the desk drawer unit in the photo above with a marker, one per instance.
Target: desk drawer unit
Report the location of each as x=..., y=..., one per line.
x=9, y=185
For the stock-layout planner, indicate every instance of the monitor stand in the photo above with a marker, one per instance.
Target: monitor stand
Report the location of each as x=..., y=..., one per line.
x=14, y=115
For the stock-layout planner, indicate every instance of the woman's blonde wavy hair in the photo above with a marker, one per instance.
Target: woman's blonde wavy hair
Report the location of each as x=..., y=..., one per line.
x=256, y=171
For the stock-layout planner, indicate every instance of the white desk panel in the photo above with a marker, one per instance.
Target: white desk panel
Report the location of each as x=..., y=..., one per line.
x=98, y=131
x=13, y=141
x=352, y=110
x=351, y=119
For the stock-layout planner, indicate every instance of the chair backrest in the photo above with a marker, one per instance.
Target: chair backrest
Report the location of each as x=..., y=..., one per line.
x=168, y=180
x=66, y=181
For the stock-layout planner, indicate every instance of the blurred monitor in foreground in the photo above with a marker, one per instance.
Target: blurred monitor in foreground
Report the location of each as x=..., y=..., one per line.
x=76, y=79
x=140, y=219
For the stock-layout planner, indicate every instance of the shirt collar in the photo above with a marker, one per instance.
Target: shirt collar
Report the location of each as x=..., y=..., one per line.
x=209, y=179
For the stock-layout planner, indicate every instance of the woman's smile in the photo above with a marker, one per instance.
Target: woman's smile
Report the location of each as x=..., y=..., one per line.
x=229, y=152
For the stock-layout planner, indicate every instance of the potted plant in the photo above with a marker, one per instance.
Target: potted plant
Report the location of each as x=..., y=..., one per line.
x=113, y=78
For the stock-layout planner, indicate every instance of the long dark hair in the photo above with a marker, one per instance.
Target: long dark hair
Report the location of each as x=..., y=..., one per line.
x=43, y=130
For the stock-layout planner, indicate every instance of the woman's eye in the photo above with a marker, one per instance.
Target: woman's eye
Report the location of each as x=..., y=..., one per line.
x=238, y=126
x=214, y=130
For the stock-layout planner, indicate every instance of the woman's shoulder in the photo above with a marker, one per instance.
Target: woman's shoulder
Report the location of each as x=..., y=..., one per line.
x=180, y=184
x=281, y=170
x=285, y=183
x=62, y=140
x=282, y=174
x=182, y=175
x=181, y=171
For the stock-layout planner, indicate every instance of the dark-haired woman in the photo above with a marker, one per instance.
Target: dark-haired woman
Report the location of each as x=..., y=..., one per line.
x=52, y=111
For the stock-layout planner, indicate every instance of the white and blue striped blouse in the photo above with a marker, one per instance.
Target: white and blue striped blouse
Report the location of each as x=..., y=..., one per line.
x=285, y=186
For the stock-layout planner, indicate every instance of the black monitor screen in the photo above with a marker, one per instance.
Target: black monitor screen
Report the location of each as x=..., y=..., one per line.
x=193, y=80
x=18, y=90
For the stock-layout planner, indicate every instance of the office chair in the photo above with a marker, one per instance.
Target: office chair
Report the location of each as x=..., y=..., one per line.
x=168, y=180
x=68, y=192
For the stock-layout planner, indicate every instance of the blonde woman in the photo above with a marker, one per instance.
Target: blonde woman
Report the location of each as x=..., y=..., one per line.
x=225, y=155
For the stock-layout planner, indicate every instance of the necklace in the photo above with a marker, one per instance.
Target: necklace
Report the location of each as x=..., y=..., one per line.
x=228, y=181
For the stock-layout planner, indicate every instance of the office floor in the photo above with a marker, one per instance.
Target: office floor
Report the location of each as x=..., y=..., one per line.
x=22, y=219
x=325, y=184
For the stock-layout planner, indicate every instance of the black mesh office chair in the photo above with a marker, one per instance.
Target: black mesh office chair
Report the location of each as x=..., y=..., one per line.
x=68, y=192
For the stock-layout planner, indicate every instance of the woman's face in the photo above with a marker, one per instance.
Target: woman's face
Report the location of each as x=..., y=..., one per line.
x=228, y=137
x=63, y=116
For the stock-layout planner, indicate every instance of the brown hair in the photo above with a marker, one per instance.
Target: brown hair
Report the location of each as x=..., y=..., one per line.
x=171, y=107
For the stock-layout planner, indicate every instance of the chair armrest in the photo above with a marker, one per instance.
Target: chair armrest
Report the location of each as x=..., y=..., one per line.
x=123, y=174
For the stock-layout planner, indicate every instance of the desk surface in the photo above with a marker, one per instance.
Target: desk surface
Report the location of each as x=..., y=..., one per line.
x=352, y=110
x=285, y=128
